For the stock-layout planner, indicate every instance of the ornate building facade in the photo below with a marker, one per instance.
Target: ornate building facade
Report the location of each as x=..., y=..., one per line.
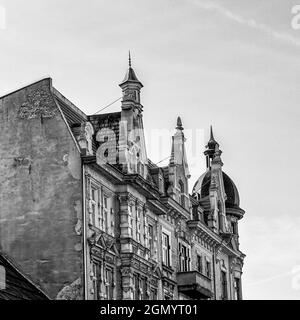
x=87, y=215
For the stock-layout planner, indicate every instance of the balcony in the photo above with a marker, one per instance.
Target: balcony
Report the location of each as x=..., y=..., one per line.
x=194, y=285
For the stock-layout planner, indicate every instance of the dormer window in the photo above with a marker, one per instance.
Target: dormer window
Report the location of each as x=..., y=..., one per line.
x=160, y=183
x=234, y=227
x=182, y=193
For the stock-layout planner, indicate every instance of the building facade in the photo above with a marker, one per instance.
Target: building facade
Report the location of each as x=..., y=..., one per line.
x=88, y=215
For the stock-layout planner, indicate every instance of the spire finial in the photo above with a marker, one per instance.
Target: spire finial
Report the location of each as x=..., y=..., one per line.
x=179, y=124
x=212, y=142
x=129, y=59
x=211, y=133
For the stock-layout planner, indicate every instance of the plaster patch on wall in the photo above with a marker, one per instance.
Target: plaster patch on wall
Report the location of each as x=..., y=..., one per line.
x=33, y=213
x=73, y=165
x=21, y=161
x=78, y=226
x=66, y=159
x=43, y=261
x=39, y=103
x=72, y=291
x=20, y=217
x=78, y=247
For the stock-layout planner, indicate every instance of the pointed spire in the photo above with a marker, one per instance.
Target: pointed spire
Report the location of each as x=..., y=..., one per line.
x=179, y=124
x=211, y=133
x=178, y=152
x=130, y=74
x=129, y=60
x=212, y=142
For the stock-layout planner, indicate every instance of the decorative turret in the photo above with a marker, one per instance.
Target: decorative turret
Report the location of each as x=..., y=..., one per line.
x=178, y=168
x=178, y=152
x=132, y=148
x=131, y=87
x=212, y=149
x=179, y=124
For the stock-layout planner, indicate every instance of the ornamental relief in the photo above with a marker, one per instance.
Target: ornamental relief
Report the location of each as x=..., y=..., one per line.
x=126, y=199
x=97, y=252
x=125, y=271
x=39, y=103
x=130, y=95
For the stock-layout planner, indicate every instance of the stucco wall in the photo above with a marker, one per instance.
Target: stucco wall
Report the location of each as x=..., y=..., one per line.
x=40, y=191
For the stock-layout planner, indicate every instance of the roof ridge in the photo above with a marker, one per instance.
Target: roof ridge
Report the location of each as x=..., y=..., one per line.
x=26, y=86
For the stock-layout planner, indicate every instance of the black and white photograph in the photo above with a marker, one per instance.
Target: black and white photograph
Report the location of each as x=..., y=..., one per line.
x=149, y=150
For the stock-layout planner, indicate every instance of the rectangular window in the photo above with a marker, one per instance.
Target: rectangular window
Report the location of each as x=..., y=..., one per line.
x=104, y=226
x=112, y=222
x=205, y=218
x=184, y=256
x=131, y=222
x=234, y=228
x=136, y=287
x=199, y=264
x=208, y=269
x=140, y=292
x=160, y=183
x=109, y=284
x=153, y=295
x=166, y=249
x=145, y=288
x=97, y=280
x=224, y=285
x=94, y=201
x=151, y=239
x=237, y=289
x=138, y=225
x=188, y=260
x=100, y=209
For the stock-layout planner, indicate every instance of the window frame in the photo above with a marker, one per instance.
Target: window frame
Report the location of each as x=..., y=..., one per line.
x=101, y=207
x=200, y=265
x=182, y=193
x=166, y=248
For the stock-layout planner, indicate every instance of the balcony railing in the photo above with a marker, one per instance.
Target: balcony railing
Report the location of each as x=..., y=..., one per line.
x=194, y=284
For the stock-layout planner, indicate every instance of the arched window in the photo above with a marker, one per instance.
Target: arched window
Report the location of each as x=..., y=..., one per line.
x=182, y=193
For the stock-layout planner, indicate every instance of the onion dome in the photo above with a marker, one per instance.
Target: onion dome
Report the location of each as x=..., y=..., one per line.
x=232, y=202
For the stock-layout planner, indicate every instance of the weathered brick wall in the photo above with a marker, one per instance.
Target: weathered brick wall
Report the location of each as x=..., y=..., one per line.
x=40, y=191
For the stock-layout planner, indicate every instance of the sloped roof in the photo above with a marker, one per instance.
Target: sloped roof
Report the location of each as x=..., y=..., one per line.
x=17, y=285
x=131, y=77
x=72, y=114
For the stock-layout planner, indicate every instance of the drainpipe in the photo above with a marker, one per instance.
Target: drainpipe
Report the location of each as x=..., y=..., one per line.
x=231, y=279
x=84, y=235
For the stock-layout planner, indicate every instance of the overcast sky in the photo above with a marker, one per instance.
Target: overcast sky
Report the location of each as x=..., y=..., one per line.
x=230, y=63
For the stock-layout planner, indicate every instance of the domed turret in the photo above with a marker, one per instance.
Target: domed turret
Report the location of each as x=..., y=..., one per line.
x=232, y=203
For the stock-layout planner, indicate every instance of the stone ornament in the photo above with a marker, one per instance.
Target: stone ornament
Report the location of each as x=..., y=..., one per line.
x=39, y=103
